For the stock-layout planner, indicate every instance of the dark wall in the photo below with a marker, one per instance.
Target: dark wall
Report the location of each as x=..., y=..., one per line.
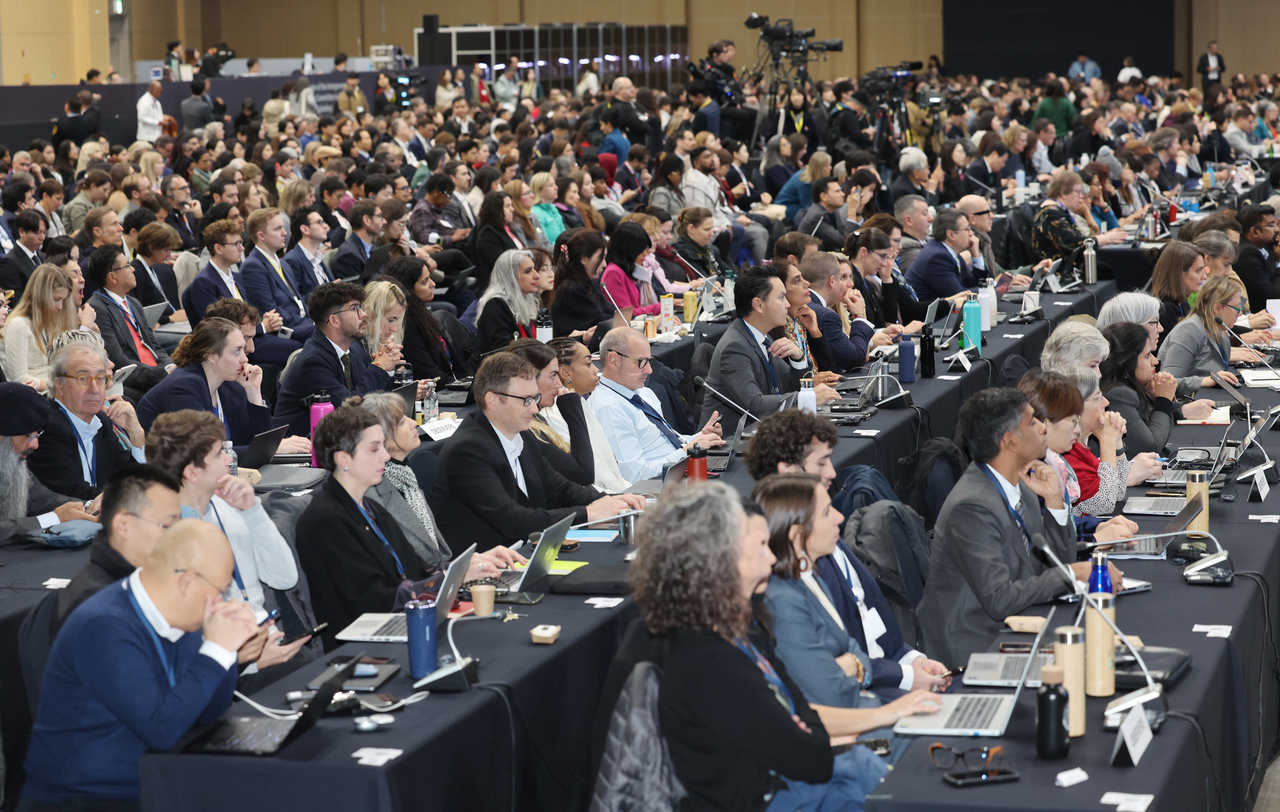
x=993, y=38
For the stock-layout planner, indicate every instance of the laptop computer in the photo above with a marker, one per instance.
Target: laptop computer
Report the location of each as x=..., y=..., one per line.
x=410, y=394
x=973, y=714
x=1169, y=505
x=996, y=670
x=719, y=459
x=393, y=627
x=1153, y=548
x=544, y=555
x=1240, y=399
x=1178, y=476
x=262, y=450
x=153, y=312
x=262, y=736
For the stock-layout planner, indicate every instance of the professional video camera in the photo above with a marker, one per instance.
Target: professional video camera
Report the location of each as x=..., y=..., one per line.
x=724, y=89
x=885, y=84
x=784, y=38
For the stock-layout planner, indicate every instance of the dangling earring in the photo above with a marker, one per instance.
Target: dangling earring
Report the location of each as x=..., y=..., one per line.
x=804, y=564
x=568, y=381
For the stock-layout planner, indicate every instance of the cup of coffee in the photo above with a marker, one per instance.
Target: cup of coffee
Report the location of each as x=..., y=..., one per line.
x=482, y=599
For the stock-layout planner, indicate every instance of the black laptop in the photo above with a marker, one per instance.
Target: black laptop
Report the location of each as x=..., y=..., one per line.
x=719, y=459
x=262, y=736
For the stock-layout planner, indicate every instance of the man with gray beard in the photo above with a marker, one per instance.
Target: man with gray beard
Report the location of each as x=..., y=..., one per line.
x=26, y=506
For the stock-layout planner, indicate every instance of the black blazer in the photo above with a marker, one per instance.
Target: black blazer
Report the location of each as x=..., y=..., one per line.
x=496, y=327
x=350, y=259
x=980, y=181
x=876, y=310
x=317, y=370
x=186, y=226
x=462, y=361
x=15, y=269
x=117, y=336
x=56, y=463
x=578, y=464
x=147, y=292
x=1258, y=273
x=579, y=307
x=349, y=569
x=490, y=242
x=475, y=496
x=188, y=388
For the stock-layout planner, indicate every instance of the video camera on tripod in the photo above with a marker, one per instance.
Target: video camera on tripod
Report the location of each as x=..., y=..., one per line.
x=783, y=37
x=724, y=89
x=885, y=85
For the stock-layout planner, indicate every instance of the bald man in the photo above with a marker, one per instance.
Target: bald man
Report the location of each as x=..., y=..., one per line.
x=978, y=209
x=150, y=114
x=133, y=669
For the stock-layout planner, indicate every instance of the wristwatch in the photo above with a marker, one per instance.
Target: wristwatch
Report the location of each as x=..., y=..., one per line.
x=88, y=506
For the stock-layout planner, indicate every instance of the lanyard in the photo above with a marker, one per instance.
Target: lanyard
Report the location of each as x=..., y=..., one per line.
x=155, y=638
x=369, y=518
x=1016, y=516
x=90, y=460
x=797, y=121
x=128, y=315
x=235, y=571
x=222, y=415
x=770, y=675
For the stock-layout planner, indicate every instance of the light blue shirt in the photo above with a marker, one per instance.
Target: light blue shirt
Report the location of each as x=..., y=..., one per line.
x=88, y=433
x=640, y=446
x=1014, y=495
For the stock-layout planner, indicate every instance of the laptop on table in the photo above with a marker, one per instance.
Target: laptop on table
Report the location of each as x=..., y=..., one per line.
x=393, y=627
x=1171, y=505
x=973, y=714
x=1178, y=476
x=544, y=555
x=1153, y=548
x=719, y=459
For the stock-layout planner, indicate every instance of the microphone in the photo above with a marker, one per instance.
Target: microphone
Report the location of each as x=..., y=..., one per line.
x=1130, y=700
x=700, y=381
x=612, y=518
x=881, y=378
x=1261, y=358
x=1212, y=560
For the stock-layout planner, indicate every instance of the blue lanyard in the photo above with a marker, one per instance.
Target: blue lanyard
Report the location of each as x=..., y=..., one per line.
x=127, y=314
x=368, y=517
x=222, y=415
x=1016, y=516
x=91, y=460
x=766, y=668
x=235, y=571
x=155, y=638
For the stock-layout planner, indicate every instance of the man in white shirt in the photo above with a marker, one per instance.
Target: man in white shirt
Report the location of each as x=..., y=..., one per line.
x=305, y=260
x=701, y=188
x=1045, y=133
x=150, y=114
x=631, y=414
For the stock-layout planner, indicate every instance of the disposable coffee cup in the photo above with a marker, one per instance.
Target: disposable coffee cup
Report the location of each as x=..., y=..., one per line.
x=482, y=599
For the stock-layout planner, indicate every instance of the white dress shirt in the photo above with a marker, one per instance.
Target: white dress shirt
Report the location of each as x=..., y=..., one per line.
x=609, y=476
x=228, y=280
x=802, y=364
x=162, y=627
x=872, y=624
x=642, y=450
x=261, y=553
x=1013, y=494
x=513, y=448
x=88, y=433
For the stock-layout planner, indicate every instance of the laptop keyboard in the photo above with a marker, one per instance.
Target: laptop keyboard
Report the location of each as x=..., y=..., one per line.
x=1167, y=504
x=1013, y=666
x=974, y=712
x=253, y=735
x=1177, y=476
x=718, y=464
x=397, y=626
x=510, y=577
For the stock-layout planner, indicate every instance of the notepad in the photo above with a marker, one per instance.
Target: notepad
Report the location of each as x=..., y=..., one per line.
x=557, y=567
x=590, y=536
x=1220, y=416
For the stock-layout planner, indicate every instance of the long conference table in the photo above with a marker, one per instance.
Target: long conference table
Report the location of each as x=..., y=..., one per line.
x=522, y=738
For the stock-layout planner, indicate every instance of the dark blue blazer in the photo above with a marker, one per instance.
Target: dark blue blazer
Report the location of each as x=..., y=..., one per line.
x=350, y=259
x=188, y=388
x=208, y=288
x=848, y=351
x=266, y=291
x=297, y=264
x=934, y=273
x=318, y=370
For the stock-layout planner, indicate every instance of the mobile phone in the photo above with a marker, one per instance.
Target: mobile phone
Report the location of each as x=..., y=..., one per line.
x=275, y=613
x=285, y=332
x=975, y=778
x=291, y=640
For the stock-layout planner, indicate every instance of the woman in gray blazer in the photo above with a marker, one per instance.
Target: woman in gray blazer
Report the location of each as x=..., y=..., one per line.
x=1199, y=344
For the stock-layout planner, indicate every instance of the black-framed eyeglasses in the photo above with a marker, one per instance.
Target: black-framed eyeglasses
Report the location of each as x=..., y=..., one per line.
x=980, y=213
x=641, y=363
x=237, y=243
x=357, y=309
x=525, y=400
x=945, y=757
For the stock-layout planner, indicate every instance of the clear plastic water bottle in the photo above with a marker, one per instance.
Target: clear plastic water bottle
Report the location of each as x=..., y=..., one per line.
x=233, y=466
x=430, y=403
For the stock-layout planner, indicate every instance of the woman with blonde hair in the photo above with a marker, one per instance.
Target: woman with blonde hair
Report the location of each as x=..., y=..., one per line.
x=522, y=198
x=43, y=314
x=1199, y=344
x=296, y=194
x=544, y=210
x=89, y=153
x=151, y=166
x=384, y=304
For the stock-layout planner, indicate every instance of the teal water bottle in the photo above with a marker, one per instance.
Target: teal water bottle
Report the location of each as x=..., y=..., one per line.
x=972, y=312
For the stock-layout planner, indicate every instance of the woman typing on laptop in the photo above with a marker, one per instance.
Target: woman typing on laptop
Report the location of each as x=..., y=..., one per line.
x=1200, y=344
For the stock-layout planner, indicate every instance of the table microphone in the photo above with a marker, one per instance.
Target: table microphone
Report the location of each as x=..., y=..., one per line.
x=1212, y=560
x=1262, y=359
x=1130, y=700
x=700, y=381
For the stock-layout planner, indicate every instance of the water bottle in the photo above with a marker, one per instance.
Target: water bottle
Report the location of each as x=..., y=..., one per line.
x=233, y=466
x=421, y=620
x=1100, y=576
x=984, y=306
x=972, y=315
x=1021, y=177
x=1052, y=709
x=403, y=376
x=430, y=403
x=1090, y=263
x=906, y=361
x=1099, y=639
x=807, y=399
x=927, y=352
x=321, y=405
x=697, y=465
x=542, y=326
x=995, y=302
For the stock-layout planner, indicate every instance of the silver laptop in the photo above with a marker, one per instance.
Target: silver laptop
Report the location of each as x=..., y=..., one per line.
x=973, y=714
x=153, y=312
x=544, y=555
x=1178, y=476
x=995, y=670
x=1169, y=505
x=393, y=627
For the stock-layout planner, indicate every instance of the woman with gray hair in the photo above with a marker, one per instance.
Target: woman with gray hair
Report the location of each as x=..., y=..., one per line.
x=1144, y=309
x=509, y=305
x=1074, y=344
x=1103, y=476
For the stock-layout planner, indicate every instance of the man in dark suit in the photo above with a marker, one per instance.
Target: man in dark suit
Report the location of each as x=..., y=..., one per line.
x=196, y=112
x=1256, y=265
x=18, y=265
x=939, y=271
x=86, y=440
x=125, y=331
x=185, y=212
x=334, y=360
x=1211, y=67
x=366, y=223
x=914, y=177
x=830, y=285
x=72, y=126
x=749, y=368
x=218, y=279
x=982, y=178
x=328, y=195
x=493, y=486
x=822, y=219
x=305, y=261
x=631, y=176
x=983, y=567
x=266, y=284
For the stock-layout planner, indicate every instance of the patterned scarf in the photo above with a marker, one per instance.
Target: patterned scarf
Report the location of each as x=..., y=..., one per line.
x=1065, y=473
x=797, y=333
x=401, y=477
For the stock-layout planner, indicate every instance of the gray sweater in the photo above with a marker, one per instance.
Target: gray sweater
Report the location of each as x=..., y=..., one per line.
x=1188, y=350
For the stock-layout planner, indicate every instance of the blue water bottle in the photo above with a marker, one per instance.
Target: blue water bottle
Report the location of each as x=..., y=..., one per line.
x=1021, y=177
x=421, y=617
x=972, y=312
x=1100, y=576
x=906, y=361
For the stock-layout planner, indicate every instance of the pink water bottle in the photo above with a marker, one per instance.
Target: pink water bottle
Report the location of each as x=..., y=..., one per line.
x=321, y=405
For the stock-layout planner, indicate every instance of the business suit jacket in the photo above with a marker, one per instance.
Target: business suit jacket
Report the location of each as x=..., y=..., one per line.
x=15, y=269
x=738, y=370
x=1148, y=422
x=828, y=227
x=186, y=226
x=148, y=293
x=39, y=500
x=490, y=242
x=628, y=179
x=876, y=313
x=188, y=388
x=196, y=113
x=902, y=186
x=350, y=259
x=809, y=640
x=980, y=569
x=1202, y=68
x=980, y=180
x=207, y=288
x=1259, y=275
x=849, y=351
x=56, y=462
x=1187, y=350
x=337, y=232
x=475, y=496
x=317, y=369
x=433, y=557
x=349, y=569
x=116, y=335
x=935, y=273
x=304, y=278
x=266, y=291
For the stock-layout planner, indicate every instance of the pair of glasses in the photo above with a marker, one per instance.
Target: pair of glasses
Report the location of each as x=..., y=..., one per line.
x=641, y=363
x=162, y=526
x=526, y=401
x=976, y=758
x=85, y=380
x=1237, y=308
x=358, y=309
x=199, y=574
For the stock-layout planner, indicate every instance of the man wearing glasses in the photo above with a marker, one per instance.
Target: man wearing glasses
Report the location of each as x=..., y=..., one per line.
x=981, y=220
x=24, y=413
x=125, y=330
x=631, y=414
x=493, y=486
x=86, y=438
x=334, y=360
x=942, y=268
